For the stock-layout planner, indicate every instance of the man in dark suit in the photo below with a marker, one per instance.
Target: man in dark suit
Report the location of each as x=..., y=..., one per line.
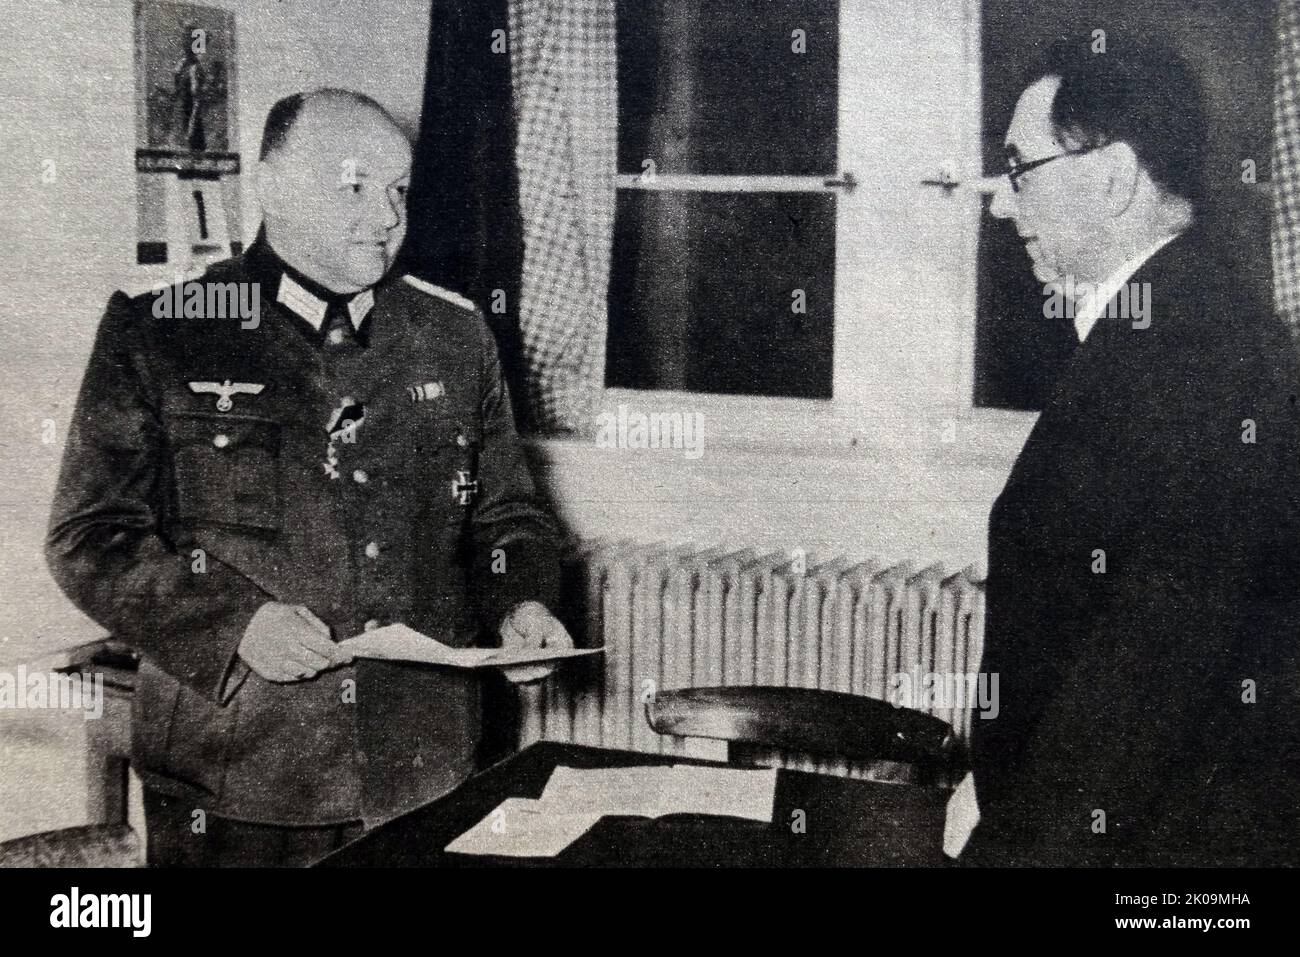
x=1144, y=555
x=240, y=492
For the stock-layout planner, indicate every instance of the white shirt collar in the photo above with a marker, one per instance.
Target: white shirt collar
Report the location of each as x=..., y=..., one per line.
x=311, y=308
x=1093, y=306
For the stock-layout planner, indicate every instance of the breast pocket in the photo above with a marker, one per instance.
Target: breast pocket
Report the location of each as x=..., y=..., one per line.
x=227, y=471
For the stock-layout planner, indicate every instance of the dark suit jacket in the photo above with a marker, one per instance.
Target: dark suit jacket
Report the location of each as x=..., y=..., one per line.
x=1126, y=732
x=175, y=520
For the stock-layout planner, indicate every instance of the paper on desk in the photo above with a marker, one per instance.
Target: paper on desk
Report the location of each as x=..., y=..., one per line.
x=656, y=790
x=576, y=798
x=520, y=827
x=963, y=814
x=400, y=643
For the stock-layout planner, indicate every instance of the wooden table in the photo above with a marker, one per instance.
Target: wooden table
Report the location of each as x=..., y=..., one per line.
x=848, y=823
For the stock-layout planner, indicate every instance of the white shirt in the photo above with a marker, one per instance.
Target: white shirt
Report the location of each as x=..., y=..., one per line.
x=1093, y=307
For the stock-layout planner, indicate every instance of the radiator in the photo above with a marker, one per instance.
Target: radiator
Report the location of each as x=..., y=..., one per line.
x=679, y=617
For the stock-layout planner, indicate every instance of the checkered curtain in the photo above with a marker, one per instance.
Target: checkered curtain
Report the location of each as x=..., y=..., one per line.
x=566, y=99
x=1286, y=165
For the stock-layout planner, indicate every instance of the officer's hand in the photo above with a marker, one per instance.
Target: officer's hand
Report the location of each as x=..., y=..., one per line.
x=530, y=625
x=289, y=643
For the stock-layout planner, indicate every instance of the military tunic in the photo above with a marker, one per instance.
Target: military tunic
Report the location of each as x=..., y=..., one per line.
x=180, y=512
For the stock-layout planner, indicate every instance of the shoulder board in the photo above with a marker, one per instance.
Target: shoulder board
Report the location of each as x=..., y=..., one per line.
x=454, y=298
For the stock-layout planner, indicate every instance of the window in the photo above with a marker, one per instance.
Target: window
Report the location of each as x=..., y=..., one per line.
x=723, y=270
x=883, y=353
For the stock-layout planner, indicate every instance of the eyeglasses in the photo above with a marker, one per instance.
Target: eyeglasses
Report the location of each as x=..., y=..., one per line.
x=1017, y=170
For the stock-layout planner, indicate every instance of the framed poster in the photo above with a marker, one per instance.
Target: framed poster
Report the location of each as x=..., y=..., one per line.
x=186, y=158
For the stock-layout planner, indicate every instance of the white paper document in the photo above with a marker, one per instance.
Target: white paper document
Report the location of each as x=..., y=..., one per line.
x=400, y=643
x=963, y=815
x=653, y=791
x=576, y=798
x=521, y=827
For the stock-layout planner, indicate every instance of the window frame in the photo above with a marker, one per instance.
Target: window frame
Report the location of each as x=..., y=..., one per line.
x=919, y=395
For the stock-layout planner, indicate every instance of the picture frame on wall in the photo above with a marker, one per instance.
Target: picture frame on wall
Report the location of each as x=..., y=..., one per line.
x=187, y=160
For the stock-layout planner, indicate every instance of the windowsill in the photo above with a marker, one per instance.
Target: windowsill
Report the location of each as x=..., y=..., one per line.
x=776, y=474
x=734, y=426
x=738, y=484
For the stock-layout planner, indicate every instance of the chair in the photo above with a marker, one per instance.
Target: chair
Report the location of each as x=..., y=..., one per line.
x=108, y=745
x=111, y=842
x=753, y=719
x=92, y=845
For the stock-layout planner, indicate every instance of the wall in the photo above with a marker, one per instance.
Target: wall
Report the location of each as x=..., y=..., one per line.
x=899, y=492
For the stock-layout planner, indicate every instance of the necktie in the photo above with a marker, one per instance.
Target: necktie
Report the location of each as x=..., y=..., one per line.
x=338, y=324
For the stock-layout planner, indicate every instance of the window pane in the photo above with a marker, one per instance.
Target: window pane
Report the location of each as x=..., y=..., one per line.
x=717, y=86
x=704, y=289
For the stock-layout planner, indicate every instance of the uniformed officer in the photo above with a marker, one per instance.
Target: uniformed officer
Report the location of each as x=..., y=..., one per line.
x=237, y=496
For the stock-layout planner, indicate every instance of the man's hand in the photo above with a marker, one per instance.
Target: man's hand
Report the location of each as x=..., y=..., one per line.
x=530, y=625
x=288, y=643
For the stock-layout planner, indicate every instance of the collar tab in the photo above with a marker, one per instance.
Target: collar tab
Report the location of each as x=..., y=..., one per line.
x=311, y=307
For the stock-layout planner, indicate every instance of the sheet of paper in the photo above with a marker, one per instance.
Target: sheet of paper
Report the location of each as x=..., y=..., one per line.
x=653, y=791
x=521, y=827
x=963, y=814
x=401, y=643
x=502, y=657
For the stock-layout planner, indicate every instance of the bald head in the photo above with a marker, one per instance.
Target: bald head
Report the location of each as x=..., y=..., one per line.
x=286, y=111
x=332, y=181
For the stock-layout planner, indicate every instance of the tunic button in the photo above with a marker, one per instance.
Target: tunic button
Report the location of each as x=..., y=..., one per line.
x=461, y=440
x=372, y=550
x=335, y=337
x=221, y=440
x=360, y=477
x=371, y=625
